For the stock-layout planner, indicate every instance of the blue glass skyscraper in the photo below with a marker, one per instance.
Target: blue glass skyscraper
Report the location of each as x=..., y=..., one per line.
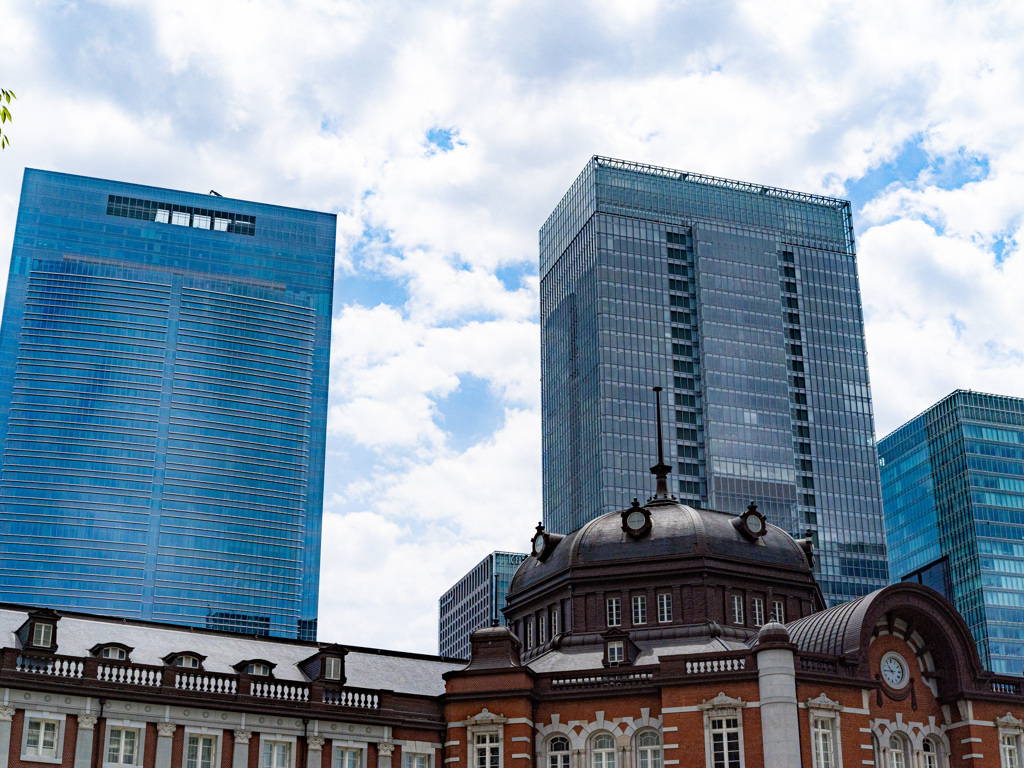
x=743, y=302
x=163, y=396
x=953, y=487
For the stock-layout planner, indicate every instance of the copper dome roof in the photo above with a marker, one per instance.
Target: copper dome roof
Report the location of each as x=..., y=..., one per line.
x=677, y=531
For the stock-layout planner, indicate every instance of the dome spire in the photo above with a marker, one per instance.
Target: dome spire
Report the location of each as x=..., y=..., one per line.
x=661, y=469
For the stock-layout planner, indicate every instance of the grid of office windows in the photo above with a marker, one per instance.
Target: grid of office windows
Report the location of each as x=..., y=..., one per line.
x=953, y=485
x=163, y=405
x=741, y=301
x=476, y=600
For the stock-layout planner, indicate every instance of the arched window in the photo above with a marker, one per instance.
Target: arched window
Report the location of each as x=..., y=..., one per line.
x=649, y=749
x=603, y=751
x=558, y=752
x=930, y=753
x=898, y=752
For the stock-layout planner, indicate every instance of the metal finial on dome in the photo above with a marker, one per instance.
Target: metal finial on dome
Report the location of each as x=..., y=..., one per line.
x=661, y=469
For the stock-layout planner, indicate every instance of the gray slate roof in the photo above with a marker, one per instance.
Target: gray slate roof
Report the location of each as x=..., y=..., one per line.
x=591, y=658
x=364, y=667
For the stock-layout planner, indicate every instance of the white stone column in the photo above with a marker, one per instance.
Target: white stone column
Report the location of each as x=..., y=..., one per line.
x=314, y=751
x=780, y=723
x=164, y=734
x=240, y=756
x=384, y=752
x=6, y=713
x=83, y=745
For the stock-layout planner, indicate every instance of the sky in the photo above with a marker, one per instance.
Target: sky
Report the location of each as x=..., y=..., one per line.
x=444, y=133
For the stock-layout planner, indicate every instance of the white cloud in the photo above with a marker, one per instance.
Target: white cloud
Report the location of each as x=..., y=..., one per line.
x=326, y=105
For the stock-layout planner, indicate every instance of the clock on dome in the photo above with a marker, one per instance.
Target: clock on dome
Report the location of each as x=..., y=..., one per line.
x=636, y=521
x=751, y=523
x=894, y=670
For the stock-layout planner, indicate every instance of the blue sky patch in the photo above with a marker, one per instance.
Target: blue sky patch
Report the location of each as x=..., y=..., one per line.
x=443, y=140
x=471, y=413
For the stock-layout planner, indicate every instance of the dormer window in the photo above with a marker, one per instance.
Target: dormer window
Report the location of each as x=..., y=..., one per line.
x=189, y=662
x=260, y=670
x=112, y=651
x=42, y=635
x=332, y=668
x=616, y=652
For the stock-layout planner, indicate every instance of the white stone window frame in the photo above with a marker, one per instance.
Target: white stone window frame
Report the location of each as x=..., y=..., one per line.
x=823, y=708
x=591, y=751
x=635, y=744
x=779, y=611
x=548, y=753
x=542, y=629
x=217, y=734
x=279, y=737
x=908, y=748
x=1008, y=725
x=485, y=723
x=554, y=622
x=341, y=745
x=412, y=749
x=140, y=744
x=757, y=611
x=722, y=706
x=52, y=717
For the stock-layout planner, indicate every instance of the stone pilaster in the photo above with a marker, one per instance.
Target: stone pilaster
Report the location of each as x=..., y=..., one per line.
x=240, y=757
x=86, y=737
x=314, y=751
x=384, y=752
x=6, y=713
x=164, y=736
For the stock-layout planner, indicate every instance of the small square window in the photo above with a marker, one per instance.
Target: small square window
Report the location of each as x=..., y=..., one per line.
x=276, y=754
x=758, y=608
x=42, y=635
x=664, y=607
x=163, y=216
x=114, y=653
x=201, y=752
x=221, y=225
x=123, y=746
x=200, y=222
x=639, y=609
x=348, y=758
x=42, y=738
x=180, y=218
x=737, y=609
x=332, y=668
x=614, y=612
x=616, y=652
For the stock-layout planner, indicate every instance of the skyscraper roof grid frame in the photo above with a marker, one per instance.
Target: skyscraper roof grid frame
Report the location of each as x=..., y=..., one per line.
x=163, y=367
x=651, y=277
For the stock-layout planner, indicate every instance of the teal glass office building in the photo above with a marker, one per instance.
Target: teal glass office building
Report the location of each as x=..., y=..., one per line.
x=163, y=397
x=743, y=302
x=953, y=488
x=474, y=602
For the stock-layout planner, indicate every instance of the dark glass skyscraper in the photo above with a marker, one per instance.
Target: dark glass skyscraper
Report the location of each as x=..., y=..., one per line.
x=163, y=396
x=474, y=601
x=953, y=485
x=743, y=302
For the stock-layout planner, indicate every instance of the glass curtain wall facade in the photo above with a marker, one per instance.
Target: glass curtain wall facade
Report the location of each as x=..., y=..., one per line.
x=163, y=396
x=476, y=599
x=743, y=302
x=953, y=488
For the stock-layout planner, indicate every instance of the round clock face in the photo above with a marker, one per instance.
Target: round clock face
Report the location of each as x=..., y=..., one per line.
x=635, y=521
x=894, y=670
x=754, y=523
x=538, y=544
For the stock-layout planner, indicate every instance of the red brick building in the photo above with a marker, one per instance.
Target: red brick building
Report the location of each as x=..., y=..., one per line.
x=660, y=636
